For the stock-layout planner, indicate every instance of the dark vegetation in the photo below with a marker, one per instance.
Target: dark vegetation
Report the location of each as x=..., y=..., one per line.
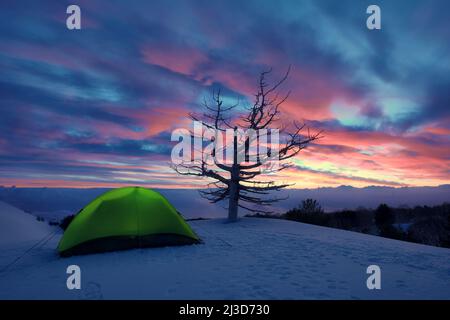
x=66, y=221
x=421, y=224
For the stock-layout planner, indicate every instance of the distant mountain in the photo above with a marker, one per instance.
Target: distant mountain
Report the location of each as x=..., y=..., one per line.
x=58, y=202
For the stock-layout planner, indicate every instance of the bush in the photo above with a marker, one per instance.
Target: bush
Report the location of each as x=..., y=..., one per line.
x=66, y=221
x=384, y=217
x=346, y=219
x=311, y=206
x=433, y=230
x=309, y=212
x=389, y=231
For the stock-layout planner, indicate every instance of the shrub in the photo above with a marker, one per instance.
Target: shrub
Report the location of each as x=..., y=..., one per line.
x=346, y=219
x=389, y=231
x=384, y=216
x=433, y=230
x=311, y=206
x=308, y=212
x=66, y=221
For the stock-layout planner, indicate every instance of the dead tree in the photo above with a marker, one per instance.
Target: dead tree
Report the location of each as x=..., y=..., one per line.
x=239, y=181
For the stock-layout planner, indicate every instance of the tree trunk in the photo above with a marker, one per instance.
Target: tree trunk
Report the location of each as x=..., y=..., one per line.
x=234, y=196
x=233, y=202
x=234, y=182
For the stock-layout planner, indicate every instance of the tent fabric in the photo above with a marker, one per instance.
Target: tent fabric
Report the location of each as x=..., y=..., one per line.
x=125, y=218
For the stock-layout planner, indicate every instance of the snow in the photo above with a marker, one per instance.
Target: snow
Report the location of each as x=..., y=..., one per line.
x=250, y=259
x=19, y=227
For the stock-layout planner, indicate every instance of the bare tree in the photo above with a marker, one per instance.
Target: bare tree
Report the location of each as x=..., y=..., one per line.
x=240, y=181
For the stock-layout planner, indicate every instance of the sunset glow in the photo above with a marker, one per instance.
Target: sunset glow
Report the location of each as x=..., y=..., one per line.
x=96, y=108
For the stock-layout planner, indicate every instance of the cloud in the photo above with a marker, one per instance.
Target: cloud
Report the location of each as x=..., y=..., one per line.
x=113, y=92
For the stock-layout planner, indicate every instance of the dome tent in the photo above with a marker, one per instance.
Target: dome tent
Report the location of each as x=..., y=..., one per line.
x=125, y=218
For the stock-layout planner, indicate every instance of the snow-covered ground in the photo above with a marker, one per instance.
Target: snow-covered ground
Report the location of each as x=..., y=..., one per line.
x=20, y=228
x=250, y=259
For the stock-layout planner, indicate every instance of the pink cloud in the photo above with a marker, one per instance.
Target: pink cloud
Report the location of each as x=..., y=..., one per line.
x=182, y=60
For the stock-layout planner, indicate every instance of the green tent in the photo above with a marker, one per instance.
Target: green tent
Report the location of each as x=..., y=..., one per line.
x=125, y=218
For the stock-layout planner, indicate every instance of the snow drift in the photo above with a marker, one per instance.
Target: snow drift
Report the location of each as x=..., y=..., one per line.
x=251, y=259
x=18, y=227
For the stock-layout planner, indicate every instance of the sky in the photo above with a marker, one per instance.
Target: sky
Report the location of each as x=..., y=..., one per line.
x=96, y=107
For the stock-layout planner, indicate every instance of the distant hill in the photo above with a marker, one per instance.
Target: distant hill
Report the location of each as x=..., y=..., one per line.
x=58, y=202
